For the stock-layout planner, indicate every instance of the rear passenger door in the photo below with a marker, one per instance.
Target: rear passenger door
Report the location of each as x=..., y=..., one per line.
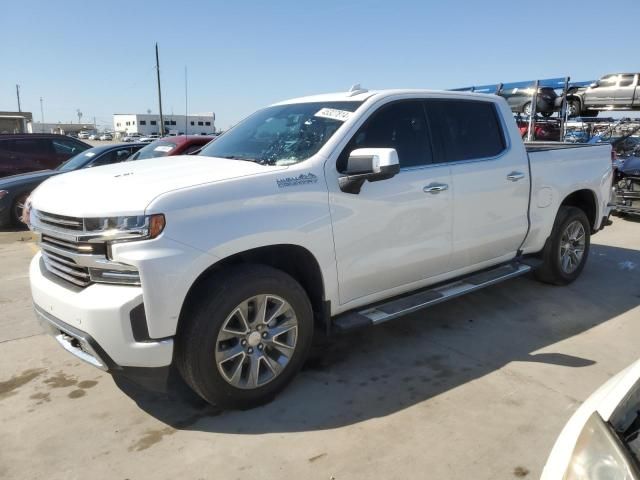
x=624, y=92
x=29, y=155
x=490, y=180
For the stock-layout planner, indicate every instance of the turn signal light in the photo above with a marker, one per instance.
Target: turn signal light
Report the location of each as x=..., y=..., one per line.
x=156, y=225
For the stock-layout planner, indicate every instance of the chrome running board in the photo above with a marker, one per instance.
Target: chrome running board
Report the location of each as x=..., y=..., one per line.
x=414, y=301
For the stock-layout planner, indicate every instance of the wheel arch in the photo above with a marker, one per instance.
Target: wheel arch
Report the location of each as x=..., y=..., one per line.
x=586, y=200
x=295, y=260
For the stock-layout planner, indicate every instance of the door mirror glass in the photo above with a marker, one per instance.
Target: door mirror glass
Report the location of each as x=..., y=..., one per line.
x=372, y=164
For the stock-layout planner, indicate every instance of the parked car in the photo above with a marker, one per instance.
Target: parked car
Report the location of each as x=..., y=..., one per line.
x=106, y=136
x=543, y=131
x=602, y=438
x=131, y=137
x=519, y=99
x=28, y=152
x=83, y=135
x=223, y=264
x=627, y=185
x=15, y=189
x=616, y=91
x=94, y=136
x=149, y=138
x=169, y=146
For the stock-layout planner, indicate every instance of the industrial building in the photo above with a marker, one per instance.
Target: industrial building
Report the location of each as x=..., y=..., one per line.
x=148, y=124
x=16, y=122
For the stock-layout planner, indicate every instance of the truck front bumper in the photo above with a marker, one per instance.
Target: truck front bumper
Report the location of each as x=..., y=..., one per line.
x=95, y=323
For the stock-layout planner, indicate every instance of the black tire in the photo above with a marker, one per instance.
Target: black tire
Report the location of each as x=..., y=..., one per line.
x=574, y=108
x=525, y=107
x=16, y=209
x=552, y=270
x=216, y=299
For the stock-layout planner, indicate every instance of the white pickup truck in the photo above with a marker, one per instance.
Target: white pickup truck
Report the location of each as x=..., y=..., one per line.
x=329, y=212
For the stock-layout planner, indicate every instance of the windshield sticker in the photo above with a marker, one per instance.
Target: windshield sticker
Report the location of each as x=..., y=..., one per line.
x=333, y=114
x=302, y=179
x=90, y=154
x=163, y=148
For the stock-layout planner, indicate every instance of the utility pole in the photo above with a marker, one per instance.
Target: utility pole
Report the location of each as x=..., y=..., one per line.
x=186, y=103
x=41, y=115
x=159, y=92
x=18, y=95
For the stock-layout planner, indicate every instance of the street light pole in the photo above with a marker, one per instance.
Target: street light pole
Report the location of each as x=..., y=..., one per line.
x=159, y=92
x=18, y=95
x=41, y=115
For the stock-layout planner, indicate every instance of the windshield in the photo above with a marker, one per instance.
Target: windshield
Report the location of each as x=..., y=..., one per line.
x=77, y=161
x=283, y=134
x=159, y=148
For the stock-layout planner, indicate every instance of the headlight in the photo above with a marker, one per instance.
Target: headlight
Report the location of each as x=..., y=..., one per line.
x=119, y=229
x=598, y=455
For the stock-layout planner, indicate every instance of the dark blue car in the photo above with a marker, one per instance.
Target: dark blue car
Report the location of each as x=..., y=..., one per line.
x=15, y=189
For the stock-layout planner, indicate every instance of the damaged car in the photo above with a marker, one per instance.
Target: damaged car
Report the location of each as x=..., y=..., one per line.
x=627, y=185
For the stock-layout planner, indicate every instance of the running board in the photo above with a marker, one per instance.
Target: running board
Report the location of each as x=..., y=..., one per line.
x=413, y=302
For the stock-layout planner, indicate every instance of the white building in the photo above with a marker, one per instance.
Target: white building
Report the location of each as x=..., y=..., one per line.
x=147, y=124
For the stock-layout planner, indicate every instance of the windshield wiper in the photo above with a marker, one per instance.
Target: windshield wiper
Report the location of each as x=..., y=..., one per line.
x=238, y=157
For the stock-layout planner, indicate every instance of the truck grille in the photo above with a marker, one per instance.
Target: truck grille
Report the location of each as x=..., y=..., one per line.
x=59, y=254
x=66, y=268
x=61, y=221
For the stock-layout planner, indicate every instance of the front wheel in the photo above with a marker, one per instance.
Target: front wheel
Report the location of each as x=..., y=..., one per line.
x=17, y=209
x=567, y=249
x=246, y=336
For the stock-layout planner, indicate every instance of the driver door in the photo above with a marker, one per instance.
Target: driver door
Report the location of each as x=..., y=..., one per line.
x=394, y=233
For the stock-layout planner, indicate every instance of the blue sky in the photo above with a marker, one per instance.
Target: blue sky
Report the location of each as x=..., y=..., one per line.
x=99, y=56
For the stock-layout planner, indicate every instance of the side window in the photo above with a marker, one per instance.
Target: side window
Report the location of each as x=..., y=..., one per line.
x=466, y=129
x=32, y=146
x=115, y=156
x=626, y=80
x=400, y=125
x=191, y=148
x=67, y=147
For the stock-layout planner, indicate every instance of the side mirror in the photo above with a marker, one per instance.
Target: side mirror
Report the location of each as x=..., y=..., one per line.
x=372, y=164
x=593, y=85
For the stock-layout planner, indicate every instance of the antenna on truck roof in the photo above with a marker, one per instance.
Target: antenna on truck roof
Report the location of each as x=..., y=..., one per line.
x=356, y=90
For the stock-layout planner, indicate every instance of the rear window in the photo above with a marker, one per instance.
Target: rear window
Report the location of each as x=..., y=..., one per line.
x=159, y=148
x=466, y=129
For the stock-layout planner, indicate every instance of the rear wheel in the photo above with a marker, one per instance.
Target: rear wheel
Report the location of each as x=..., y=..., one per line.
x=566, y=251
x=526, y=109
x=246, y=337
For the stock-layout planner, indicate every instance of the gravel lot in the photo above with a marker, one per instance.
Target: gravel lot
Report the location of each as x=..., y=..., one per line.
x=476, y=388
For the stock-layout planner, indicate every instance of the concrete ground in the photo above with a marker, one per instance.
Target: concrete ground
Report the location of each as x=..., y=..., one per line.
x=476, y=388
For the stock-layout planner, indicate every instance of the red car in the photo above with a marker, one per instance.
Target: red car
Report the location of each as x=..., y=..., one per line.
x=170, y=146
x=29, y=152
x=541, y=131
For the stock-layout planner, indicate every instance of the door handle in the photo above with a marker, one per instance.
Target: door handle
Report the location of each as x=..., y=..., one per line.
x=515, y=176
x=434, y=188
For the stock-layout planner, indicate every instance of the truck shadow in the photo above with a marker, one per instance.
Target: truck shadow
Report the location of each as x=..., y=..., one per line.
x=381, y=370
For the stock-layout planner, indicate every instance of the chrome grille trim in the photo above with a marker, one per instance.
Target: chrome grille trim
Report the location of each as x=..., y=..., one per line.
x=61, y=221
x=66, y=245
x=76, y=277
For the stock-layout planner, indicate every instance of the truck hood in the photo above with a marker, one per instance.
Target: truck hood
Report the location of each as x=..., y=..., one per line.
x=127, y=188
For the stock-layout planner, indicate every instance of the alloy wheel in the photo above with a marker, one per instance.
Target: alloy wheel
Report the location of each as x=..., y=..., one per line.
x=256, y=341
x=572, y=246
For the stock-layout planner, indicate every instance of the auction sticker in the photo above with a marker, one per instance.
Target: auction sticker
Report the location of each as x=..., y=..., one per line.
x=333, y=114
x=163, y=148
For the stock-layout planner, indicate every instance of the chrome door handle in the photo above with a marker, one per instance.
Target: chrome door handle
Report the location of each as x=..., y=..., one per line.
x=435, y=188
x=515, y=176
